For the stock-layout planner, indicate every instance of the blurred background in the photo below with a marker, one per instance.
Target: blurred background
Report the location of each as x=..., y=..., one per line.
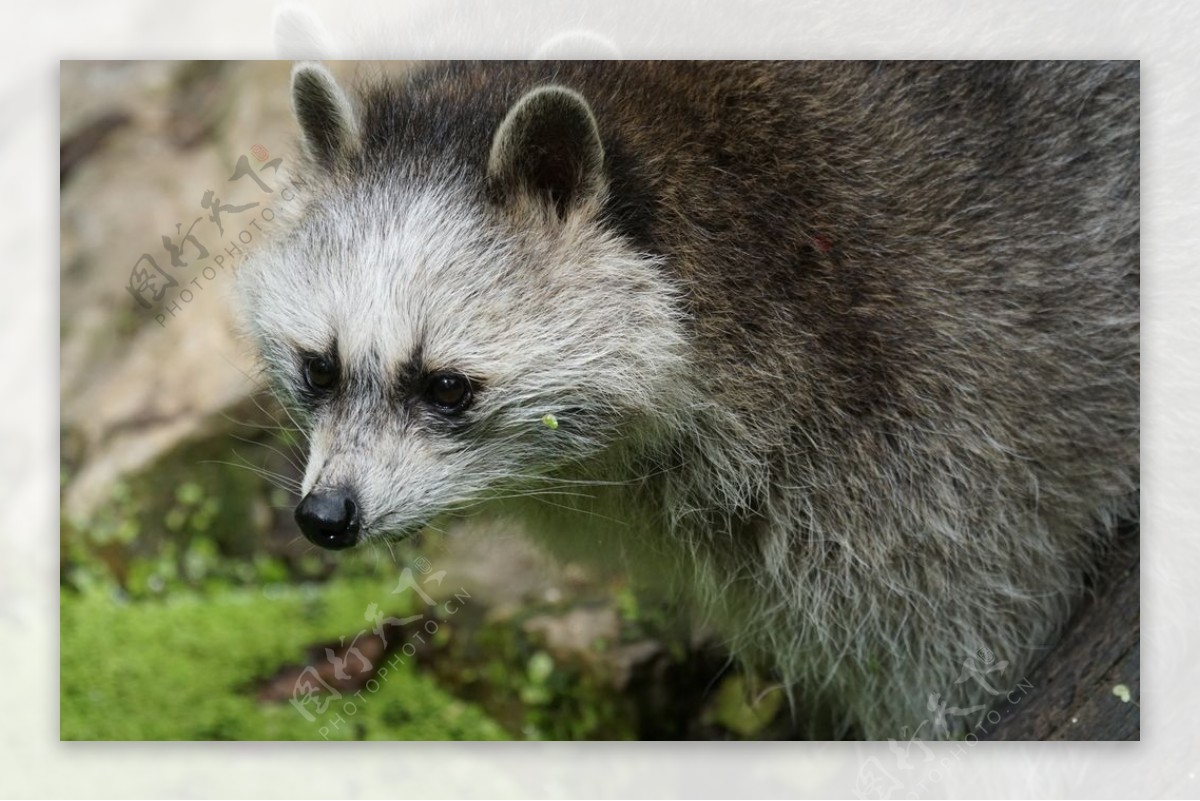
x=190, y=606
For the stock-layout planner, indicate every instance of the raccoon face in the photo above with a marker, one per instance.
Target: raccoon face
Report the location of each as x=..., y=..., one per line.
x=448, y=347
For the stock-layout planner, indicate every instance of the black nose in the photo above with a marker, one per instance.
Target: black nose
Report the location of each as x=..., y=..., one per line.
x=329, y=518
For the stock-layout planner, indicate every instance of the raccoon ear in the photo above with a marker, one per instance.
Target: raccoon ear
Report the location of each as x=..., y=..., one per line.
x=548, y=147
x=326, y=119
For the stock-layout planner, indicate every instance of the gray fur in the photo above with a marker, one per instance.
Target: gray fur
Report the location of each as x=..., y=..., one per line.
x=846, y=353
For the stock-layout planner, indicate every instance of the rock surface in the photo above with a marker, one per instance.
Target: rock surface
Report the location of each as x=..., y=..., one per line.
x=134, y=387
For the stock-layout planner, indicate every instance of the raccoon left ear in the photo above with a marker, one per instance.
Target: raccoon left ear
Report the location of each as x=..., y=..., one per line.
x=548, y=147
x=326, y=119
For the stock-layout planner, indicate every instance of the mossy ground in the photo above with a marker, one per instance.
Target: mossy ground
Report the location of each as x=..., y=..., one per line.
x=189, y=605
x=179, y=599
x=186, y=668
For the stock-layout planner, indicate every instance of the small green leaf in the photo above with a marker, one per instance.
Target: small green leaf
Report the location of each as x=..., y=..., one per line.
x=550, y=421
x=742, y=711
x=541, y=665
x=189, y=493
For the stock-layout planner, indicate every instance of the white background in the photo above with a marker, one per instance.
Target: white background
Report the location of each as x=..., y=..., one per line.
x=35, y=36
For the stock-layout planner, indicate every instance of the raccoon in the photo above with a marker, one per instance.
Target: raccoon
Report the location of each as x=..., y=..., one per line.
x=844, y=353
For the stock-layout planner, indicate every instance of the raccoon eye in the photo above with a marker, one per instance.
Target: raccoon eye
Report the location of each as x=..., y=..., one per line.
x=320, y=372
x=449, y=392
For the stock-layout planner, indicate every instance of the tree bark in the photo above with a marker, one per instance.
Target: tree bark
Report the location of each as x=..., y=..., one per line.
x=1079, y=688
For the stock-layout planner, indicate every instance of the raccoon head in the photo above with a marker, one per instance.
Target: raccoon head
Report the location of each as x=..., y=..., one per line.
x=456, y=330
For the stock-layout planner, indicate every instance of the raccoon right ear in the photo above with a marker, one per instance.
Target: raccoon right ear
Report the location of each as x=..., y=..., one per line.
x=326, y=119
x=547, y=149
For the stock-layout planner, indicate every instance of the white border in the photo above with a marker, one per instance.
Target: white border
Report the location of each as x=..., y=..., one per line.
x=36, y=36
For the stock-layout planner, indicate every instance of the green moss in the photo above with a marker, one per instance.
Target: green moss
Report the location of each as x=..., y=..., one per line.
x=188, y=668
